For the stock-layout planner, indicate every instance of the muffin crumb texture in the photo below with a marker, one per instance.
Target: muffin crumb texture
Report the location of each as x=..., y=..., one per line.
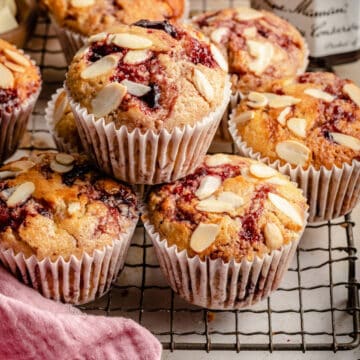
x=313, y=119
x=56, y=205
x=231, y=208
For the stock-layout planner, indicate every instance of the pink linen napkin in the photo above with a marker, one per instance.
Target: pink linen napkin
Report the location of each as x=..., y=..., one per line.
x=33, y=327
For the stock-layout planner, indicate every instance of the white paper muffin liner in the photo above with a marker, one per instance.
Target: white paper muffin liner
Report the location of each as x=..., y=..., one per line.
x=61, y=143
x=147, y=158
x=214, y=284
x=331, y=193
x=75, y=281
x=13, y=124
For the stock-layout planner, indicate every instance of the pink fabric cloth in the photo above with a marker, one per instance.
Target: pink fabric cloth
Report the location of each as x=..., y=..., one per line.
x=32, y=327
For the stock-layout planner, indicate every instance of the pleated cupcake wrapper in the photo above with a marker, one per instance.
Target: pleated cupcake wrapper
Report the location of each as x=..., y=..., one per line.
x=61, y=143
x=71, y=41
x=330, y=192
x=214, y=284
x=147, y=158
x=76, y=281
x=13, y=124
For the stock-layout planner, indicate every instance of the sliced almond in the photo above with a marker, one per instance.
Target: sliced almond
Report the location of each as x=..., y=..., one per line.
x=61, y=104
x=21, y=194
x=100, y=67
x=131, y=41
x=217, y=160
x=277, y=181
x=136, y=56
x=283, y=115
x=203, y=236
x=346, y=140
x=286, y=208
x=353, y=92
x=273, y=236
x=6, y=77
x=297, y=126
x=245, y=13
x=250, y=32
x=82, y=3
x=319, y=94
x=202, y=85
x=16, y=57
x=97, y=37
x=243, y=117
x=231, y=198
x=22, y=165
x=136, y=89
x=219, y=58
x=8, y=21
x=293, y=152
x=64, y=159
x=208, y=185
x=14, y=67
x=108, y=99
x=214, y=205
x=262, y=171
x=59, y=168
x=262, y=52
x=73, y=207
x=81, y=52
x=218, y=34
x=7, y=175
x=257, y=100
x=279, y=101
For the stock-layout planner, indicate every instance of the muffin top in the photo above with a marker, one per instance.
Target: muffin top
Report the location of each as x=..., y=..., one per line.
x=54, y=205
x=19, y=78
x=259, y=46
x=151, y=76
x=313, y=119
x=89, y=17
x=229, y=208
x=64, y=124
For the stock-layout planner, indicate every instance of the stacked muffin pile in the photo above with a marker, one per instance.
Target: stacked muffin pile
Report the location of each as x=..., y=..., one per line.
x=143, y=99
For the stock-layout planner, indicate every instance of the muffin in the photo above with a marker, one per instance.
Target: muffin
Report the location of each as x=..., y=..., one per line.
x=61, y=122
x=147, y=100
x=65, y=229
x=20, y=85
x=232, y=217
x=76, y=20
x=308, y=128
x=259, y=46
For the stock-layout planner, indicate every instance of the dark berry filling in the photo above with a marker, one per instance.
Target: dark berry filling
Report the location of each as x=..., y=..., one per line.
x=152, y=97
x=159, y=25
x=199, y=53
x=101, y=49
x=9, y=99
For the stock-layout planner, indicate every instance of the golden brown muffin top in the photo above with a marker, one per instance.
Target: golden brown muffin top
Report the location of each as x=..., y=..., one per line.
x=152, y=76
x=313, y=119
x=259, y=45
x=64, y=124
x=19, y=78
x=89, y=17
x=229, y=208
x=54, y=205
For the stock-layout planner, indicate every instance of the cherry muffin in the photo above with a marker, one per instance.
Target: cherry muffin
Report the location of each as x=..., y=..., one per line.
x=232, y=217
x=65, y=228
x=61, y=123
x=147, y=100
x=20, y=85
x=75, y=20
x=259, y=46
x=308, y=127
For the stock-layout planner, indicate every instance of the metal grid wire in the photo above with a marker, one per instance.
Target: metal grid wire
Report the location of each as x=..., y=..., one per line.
x=316, y=308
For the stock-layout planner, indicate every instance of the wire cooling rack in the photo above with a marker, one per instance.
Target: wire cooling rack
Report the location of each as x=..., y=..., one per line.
x=316, y=308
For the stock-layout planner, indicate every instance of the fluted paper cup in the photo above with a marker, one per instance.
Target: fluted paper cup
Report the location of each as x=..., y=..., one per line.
x=75, y=281
x=147, y=158
x=330, y=192
x=214, y=284
x=13, y=123
x=61, y=143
